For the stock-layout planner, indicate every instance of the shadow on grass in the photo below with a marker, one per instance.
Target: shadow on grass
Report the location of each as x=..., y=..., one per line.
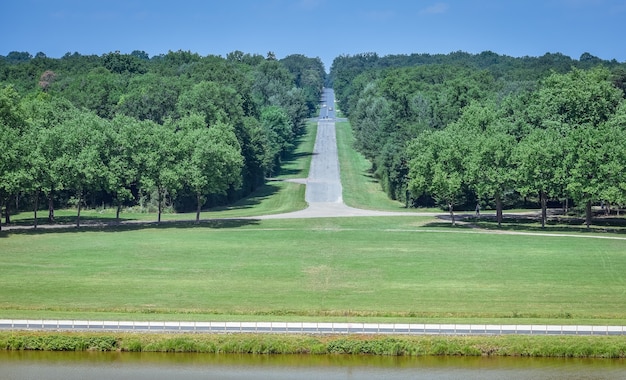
x=131, y=226
x=254, y=199
x=530, y=223
x=66, y=220
x=67, y=223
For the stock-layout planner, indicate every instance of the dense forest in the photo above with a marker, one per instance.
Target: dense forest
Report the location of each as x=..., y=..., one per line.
x=176, y=131
x=463, y=129
x=181, y=132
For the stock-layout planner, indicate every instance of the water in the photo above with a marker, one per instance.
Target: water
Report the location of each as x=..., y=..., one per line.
x=155, y=366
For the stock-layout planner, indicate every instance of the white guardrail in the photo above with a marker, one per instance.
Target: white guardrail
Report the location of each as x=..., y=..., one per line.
x=308, y=328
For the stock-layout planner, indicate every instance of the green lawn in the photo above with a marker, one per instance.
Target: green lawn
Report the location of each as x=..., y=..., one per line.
x=399, y=267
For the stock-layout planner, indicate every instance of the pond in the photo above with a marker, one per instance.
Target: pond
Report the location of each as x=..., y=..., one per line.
x=20, y=365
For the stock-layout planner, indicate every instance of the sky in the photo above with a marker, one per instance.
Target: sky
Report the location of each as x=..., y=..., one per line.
x=315, y=28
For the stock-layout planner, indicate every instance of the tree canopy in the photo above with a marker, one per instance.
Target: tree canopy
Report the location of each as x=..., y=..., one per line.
x=174, y=131
x=460, y=129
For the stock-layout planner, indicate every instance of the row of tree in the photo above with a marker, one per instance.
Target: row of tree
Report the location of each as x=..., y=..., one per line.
x=455, y=134
x=120, y=129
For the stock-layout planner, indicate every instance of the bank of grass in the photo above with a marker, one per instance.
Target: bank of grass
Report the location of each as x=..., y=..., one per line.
x=425, y=345
x=373, y=269
x=360, y=188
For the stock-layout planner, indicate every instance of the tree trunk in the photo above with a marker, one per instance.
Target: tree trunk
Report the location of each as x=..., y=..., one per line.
x=588, y=214
x=117, y=212
x=450, y=207
x=80, y=198
x=51, y=206
x=36, y=207
x=499, y=209
x=544, y=209
x=7, y=211
x=199, y=207
x=160, y=202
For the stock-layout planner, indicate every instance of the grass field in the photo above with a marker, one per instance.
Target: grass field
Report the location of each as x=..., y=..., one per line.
x=369, y=268
x=360, y=188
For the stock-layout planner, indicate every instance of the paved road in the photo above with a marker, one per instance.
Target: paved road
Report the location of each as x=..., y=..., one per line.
x=323, y=185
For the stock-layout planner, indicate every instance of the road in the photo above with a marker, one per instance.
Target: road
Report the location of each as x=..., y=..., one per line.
x=323, y=185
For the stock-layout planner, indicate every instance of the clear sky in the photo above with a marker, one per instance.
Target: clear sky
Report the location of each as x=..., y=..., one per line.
x=315, y=28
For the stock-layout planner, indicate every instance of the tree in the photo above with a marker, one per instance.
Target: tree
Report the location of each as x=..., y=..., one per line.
x=98, y=90
x=596, y=158
x=438, y=166
x=572, y=107
x=119, y=146
x=12, y=127
x=540, y=167
x=212, y=161
x=81, y=167
x=214, y=101
x=150, y=97
x=42, y=139
x=157, y=159
x=490, y=168
x=276, y=124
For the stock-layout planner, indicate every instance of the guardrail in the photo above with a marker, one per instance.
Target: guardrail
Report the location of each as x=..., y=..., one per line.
x=308, y=327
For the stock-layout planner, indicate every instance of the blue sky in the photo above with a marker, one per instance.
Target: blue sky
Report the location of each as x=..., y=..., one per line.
x=315, y=28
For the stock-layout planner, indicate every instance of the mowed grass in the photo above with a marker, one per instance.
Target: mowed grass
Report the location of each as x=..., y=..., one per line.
x=360, y=188
x=372, y=268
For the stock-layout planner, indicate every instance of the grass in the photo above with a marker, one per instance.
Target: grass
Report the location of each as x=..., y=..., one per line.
x=360, y=188
x=388, y=267
x=528, y=346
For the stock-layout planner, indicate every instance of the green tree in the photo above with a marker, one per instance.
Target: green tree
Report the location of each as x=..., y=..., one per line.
x=98, y=90
x=214, y=101
x=11, y=127
x=438, y=166
x=540, y=167
x=81, y=166
x=490, y=168
x=158, y=160
x=119, y=145
x=212, y=160
x=44, y=114
x=276, y=124
x=150, y=97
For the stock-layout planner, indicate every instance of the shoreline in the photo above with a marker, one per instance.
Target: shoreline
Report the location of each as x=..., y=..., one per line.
x=608, y=347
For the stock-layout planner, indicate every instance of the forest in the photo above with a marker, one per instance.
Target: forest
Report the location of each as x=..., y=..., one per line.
x=173, y=132
x=461, y=130
x=179, y=132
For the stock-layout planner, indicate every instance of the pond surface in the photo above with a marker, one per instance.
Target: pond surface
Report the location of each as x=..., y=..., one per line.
x=156, y=366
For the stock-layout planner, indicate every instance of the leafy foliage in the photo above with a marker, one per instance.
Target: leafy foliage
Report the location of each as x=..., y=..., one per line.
x=177, y=128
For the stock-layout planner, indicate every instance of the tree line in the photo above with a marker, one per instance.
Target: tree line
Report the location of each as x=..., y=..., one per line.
x=460, y=129
x=176, y=130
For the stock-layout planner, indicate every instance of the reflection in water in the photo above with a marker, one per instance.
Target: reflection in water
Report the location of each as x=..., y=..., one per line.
x=156, y=366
